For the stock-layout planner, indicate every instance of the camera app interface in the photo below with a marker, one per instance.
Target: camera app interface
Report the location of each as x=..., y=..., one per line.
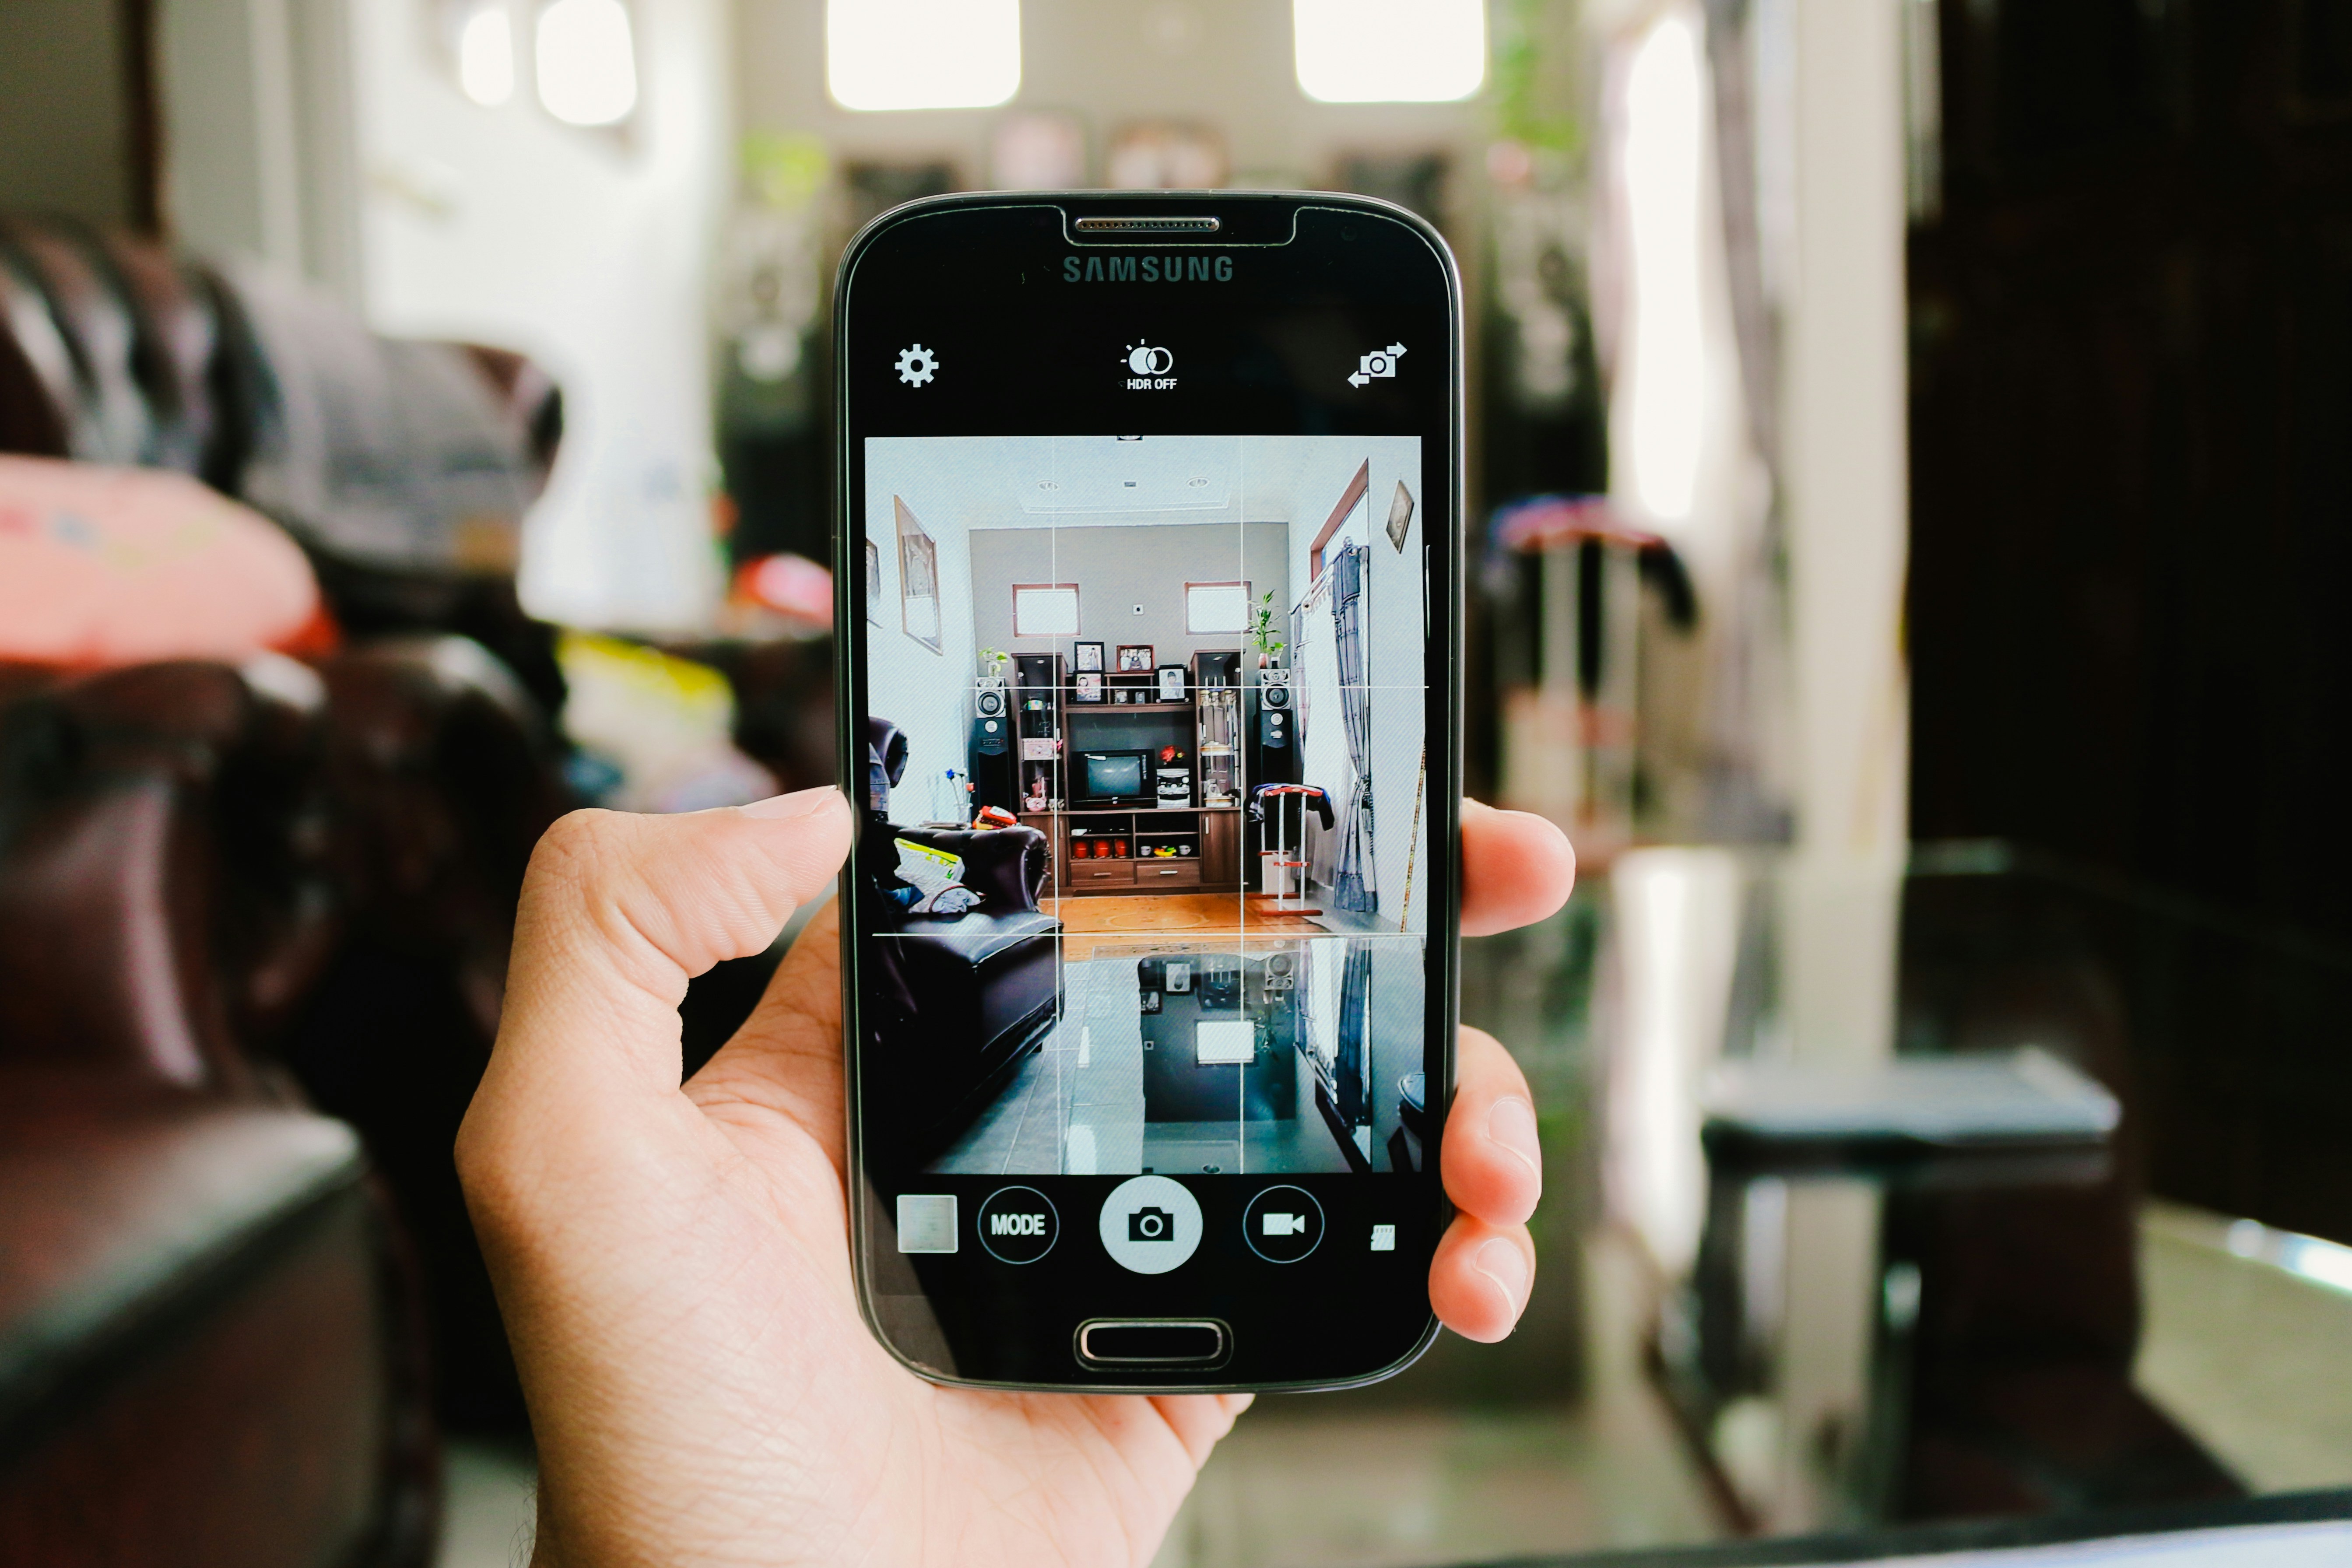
x=1144, y=859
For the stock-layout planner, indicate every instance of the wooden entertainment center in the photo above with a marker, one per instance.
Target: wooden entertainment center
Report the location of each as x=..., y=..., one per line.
x=1118, y=849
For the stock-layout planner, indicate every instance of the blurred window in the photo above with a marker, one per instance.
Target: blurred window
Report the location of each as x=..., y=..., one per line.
x=587, y=61
x=1663, y=388
x=486, y=51
x=922, y=54
x=485, y=56
x=1390, y=51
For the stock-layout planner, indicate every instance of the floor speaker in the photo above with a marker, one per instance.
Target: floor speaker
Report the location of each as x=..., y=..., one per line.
x=993, y=770
x=1277, y=738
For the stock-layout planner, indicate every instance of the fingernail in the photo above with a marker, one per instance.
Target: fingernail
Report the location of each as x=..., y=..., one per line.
x=1507, y=1265
x=800, y=803
x=1511, y=1126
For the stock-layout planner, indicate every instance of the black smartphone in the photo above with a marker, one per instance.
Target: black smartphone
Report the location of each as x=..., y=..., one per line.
x=1149, y=646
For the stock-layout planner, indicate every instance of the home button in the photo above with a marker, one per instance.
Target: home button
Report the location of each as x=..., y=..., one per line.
x=1114, y=1343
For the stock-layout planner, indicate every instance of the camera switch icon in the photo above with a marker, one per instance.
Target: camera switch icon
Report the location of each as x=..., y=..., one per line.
x=1381, y=364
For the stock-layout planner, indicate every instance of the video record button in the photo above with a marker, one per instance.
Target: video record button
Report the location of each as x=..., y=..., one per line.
x=1018, y=1224
x=1282, y=1225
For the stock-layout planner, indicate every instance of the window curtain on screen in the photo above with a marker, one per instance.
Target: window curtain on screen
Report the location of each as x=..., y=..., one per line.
x=1322, y=747
x=1353, y=886
x=1351, y=1090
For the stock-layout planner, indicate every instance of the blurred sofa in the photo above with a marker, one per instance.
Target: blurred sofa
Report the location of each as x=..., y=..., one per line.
x=369, y=807
x=211, y=1342
x=371, y=802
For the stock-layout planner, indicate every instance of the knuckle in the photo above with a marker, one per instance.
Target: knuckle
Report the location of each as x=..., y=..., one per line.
x=578, y=855
x=572, y=839
x=492, y=1176
x=481, y=1171
x=472, y=1153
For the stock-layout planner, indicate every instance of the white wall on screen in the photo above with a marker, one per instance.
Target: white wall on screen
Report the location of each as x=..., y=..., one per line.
x=926, y=694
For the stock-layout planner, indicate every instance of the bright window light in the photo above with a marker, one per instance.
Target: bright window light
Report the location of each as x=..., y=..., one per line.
x=1390, y=51
x=486, y=54
x=922, y=54
x=1211, y=608
x=2323, y=1261
x=1044, y=610
x=1665, y=380
x=587, y=62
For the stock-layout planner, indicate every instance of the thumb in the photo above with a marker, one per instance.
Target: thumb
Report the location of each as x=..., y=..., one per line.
x=619, y=911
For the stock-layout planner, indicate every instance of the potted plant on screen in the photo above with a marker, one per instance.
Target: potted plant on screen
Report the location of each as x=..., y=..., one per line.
x=1261, y=632
x=992, y=662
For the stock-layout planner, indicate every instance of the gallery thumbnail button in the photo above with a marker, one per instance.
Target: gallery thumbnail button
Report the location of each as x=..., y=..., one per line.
x=1282, y=1225
x=926, y=1222
x=1018, y=1224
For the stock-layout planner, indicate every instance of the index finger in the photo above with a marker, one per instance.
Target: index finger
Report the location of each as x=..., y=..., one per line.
x=1517, y=868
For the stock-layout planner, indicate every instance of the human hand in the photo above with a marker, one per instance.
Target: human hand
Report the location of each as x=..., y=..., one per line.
x=673, y=1263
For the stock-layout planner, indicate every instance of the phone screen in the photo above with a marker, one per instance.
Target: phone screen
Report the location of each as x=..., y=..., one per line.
x=1148, y=607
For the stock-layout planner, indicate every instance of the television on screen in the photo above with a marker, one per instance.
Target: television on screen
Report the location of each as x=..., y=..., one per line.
x=1114, y=778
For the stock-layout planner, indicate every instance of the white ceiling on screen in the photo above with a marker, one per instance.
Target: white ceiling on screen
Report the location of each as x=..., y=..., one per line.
x=1065, y=474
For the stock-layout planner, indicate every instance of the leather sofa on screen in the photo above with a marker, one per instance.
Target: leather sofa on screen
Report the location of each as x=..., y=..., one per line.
x=958, y=1000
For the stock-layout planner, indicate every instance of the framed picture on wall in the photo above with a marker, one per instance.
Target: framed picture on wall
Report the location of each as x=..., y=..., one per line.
x=873, y=583
x=1087, y=685
x=919, y=579
x=1135, y=658
x=1086, y=656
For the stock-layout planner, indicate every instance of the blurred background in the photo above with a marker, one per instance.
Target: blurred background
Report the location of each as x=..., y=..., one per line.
x=1906, y=555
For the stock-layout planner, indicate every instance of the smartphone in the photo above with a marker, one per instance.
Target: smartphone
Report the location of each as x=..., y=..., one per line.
x=1148, y=649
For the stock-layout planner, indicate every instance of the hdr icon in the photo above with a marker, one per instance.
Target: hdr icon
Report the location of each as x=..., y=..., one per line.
x=1018, y=1224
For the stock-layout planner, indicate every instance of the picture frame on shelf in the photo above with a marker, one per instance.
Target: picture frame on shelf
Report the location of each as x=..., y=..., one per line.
x=1135, y=658
x=1086, y=656
x=1087, y=685
x=1172, y=683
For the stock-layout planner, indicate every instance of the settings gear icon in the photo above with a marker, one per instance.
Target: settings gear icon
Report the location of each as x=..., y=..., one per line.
x=917, y=365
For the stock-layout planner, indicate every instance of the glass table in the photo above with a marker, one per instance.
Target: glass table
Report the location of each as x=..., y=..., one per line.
x=1816, y=1350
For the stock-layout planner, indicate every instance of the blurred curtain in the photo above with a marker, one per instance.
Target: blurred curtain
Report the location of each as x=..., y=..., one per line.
x=1689, y=274
x=1749, y=76
x=1733, y=66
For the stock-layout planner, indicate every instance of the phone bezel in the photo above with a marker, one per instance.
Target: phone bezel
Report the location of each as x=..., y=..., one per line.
x=849, y=610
